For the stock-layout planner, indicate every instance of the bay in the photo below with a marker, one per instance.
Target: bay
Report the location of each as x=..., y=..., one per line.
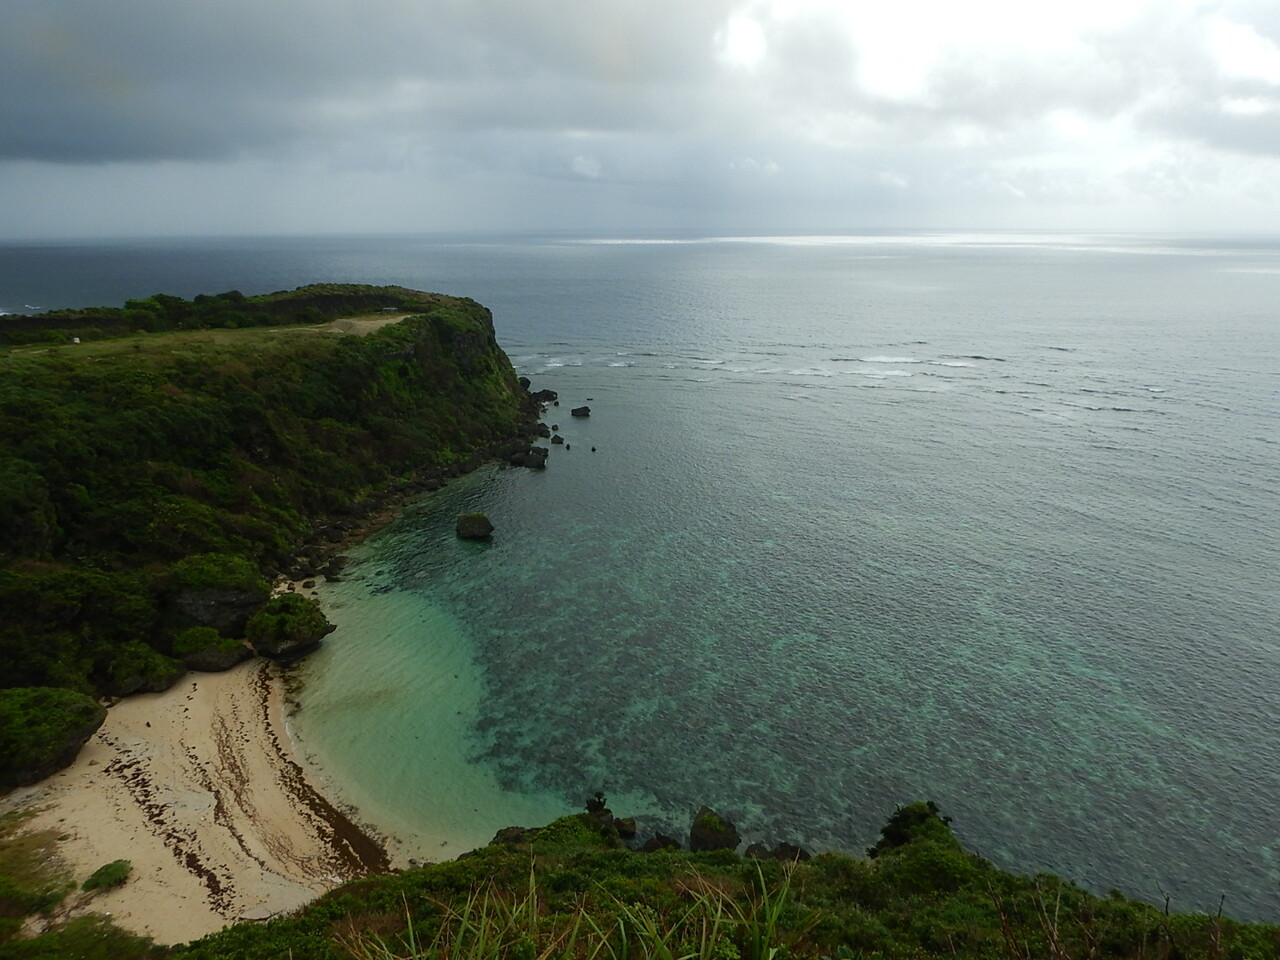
x=984, y=519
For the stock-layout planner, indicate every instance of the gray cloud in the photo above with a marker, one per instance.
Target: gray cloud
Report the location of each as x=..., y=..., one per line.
x=567, y=110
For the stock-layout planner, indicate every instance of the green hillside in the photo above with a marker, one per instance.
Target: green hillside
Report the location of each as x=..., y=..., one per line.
x=152, y=483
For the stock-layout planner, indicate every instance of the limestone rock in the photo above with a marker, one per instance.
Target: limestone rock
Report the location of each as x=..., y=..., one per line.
x=226, y=610
x=474, y=526
x=514, y=835
x=216, y=658
x=534, y=457
x=660, y=841
x=287, y=627
x=42, y=730
x=710, y=831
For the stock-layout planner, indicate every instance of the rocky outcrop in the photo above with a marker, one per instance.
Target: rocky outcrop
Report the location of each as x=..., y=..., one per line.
x=225, y=610
x=218, y=654
x=474, y=526
x=514, y=835
x=556, y=438
x=660, y=841
x=710, y=831
x=580, y=412
x=534, y=457
x=149, y=674
x=41, y=731
x=287, y=627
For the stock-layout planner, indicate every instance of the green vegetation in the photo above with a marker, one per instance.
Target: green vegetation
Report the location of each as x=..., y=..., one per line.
x=285, y=623
x=108, y=875
x=31, y=880
x=232, y=310
x=151, y=483
x=574, y=892
x=41, y=729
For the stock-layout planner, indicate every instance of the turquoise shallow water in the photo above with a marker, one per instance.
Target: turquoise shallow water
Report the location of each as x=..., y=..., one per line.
x=986, y=520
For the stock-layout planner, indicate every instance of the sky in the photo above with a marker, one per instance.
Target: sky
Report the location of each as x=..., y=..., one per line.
x=244, y=117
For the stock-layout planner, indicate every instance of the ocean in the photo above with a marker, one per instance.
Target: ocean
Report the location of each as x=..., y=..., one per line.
x=987, y=519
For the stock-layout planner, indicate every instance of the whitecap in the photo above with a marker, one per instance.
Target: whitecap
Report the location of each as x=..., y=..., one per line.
x=810, y=372
x=889, y=360
x=951, y=363
x=624, y=363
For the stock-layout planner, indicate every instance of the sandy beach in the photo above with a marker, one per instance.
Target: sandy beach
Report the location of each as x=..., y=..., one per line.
x=199, y=788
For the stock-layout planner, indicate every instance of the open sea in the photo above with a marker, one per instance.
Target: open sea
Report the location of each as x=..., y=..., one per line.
x=992, y=520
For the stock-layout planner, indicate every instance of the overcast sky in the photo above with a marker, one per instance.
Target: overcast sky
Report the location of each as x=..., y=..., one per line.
x=129, y=117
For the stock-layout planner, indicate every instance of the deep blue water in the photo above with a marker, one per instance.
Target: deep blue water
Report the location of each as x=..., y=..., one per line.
x=988, y=520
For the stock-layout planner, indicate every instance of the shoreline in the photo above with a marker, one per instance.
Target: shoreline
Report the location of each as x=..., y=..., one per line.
x=203, y=790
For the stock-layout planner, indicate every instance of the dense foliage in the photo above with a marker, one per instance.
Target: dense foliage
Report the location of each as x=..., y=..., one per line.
x=41, y=728
x=135, y=469
x=148, y=482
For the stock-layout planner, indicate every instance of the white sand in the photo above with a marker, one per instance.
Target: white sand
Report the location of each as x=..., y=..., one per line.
x=199, y=788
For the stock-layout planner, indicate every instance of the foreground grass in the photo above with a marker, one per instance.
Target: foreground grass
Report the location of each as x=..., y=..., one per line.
x=575, y=893
x=571, y=891
x=34, y=885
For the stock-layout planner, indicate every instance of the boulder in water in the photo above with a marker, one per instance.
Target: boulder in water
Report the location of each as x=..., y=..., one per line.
x=474, y=526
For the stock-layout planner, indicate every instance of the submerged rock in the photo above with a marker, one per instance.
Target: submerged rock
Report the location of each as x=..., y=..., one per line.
x=474, y=526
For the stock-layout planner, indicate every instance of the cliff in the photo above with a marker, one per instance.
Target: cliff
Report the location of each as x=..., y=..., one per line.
x=151, y=483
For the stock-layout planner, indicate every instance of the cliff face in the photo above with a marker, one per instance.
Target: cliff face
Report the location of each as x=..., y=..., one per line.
x=127, y=463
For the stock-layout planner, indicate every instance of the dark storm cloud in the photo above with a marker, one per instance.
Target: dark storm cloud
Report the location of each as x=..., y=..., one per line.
x=154, y=79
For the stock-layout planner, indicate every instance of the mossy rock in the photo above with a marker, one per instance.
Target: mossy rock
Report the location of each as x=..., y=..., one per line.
x=137, y=668
x=204, y=649
x=42, y=730
x=287, y=627
x=710, y=831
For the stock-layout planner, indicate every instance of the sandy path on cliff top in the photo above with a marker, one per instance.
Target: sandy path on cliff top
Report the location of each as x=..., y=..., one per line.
x=197, y=786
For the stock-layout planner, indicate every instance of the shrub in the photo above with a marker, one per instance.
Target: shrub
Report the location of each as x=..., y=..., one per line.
x=108, y=875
